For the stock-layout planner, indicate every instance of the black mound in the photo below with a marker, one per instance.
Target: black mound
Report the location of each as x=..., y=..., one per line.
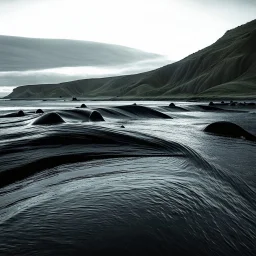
x=49, y=118
x=113, y=113
x=131, y=112
x=172, y=105
x=84, y=115
x=230, y=130
x=122, y=126
x=210, y=108
x=211, y=103
x=136, y=111
x=20, y=113
x=96, y=116
x=39, y=111
x=83, y=106
x=74, y=99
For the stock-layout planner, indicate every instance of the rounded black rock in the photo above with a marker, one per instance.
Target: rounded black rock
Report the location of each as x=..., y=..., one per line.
x=49, y=118
x=39, y=111
x=20, y=113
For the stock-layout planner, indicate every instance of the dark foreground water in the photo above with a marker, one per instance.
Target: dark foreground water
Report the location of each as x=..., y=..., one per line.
x=137, y=183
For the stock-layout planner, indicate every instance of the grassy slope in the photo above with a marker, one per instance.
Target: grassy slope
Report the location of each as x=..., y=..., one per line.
x=226, y=68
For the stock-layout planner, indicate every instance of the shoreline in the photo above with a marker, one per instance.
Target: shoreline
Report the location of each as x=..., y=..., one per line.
x=185, y=99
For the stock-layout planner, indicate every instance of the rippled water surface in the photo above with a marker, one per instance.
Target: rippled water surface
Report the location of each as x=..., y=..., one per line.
x=144, y=180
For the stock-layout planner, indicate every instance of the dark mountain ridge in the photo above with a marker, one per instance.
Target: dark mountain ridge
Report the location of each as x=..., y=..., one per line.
x=226, y=68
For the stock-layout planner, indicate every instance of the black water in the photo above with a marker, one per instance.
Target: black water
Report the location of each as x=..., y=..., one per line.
x=160, y=185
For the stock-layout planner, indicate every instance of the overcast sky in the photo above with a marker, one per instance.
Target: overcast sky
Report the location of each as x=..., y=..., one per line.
x=174, y=28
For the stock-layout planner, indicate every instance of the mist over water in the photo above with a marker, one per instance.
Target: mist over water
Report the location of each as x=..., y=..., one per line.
x=159, y=184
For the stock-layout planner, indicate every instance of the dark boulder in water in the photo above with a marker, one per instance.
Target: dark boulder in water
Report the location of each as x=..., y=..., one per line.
x=122, y=126
x=230, y=130
x=74, y=99
x=83, y=106
x=20, y=113
x=172, y=105
x=96, y=116
x=49, y=118
x=211, y=103
x=39, y=111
